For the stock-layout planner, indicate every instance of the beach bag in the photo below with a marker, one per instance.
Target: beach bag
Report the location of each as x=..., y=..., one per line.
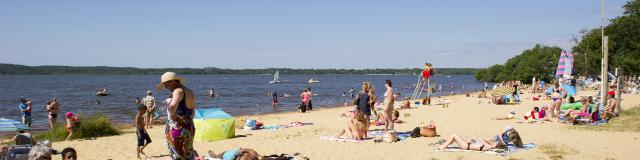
x=428, y=130
x=390, y=136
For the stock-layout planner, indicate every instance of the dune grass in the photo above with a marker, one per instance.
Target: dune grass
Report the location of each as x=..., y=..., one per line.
x=629, y=120
x=90, y=127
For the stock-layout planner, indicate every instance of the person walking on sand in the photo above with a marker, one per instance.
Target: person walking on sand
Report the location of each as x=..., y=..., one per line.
x=52, y=108
x=150, y=102
x=141, y=132
x=25, y=108
x=73, y=124
x=180, y=128
x=387, y=109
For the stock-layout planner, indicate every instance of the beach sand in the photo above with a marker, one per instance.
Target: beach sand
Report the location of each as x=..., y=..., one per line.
x=465, y=117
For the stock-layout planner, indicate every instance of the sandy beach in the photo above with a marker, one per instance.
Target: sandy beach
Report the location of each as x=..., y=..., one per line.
x=465, y=116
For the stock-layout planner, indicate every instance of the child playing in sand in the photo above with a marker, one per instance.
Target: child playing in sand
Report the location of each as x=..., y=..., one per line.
x=532, y=115
x=140, y=131
x=73, y=123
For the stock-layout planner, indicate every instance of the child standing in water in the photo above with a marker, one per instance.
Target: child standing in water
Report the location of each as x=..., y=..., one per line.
x=143, y=136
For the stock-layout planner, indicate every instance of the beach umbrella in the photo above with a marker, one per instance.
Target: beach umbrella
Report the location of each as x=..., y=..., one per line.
x=504, y=90
x=11, y=125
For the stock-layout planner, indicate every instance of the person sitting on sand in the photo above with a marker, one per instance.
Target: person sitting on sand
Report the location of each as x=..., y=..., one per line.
x=141, y=132
x=69, y=154
x=482, y=94
x=572, y=114
x=73, y=123
x=356, y=127
x=405, y=103
x=611, y=108
x=381, y=116
x=499, y=141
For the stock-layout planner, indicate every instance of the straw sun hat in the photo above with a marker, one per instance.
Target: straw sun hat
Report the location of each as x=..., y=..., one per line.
x=166, y=77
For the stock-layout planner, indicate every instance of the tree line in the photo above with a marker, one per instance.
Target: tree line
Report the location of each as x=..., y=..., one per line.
x=14, y=69
x=541, y=61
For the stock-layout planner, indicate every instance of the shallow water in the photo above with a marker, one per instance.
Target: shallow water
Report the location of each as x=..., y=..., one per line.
x=238, y=94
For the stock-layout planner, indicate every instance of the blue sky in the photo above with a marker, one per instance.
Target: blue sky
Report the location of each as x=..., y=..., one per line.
x=288, y=33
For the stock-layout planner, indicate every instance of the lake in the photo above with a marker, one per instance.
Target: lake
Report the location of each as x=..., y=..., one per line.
x=238, y=94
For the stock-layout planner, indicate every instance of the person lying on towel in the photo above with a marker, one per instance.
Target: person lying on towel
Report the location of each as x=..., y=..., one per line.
x=500, y=141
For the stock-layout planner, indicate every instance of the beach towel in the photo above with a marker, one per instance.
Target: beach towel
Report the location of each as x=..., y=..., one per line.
x=401, y=135
x=342, y=139
x=298, y=124
x=500, y=152
x=274, y=127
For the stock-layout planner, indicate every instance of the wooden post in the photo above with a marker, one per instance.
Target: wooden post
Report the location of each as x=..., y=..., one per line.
x=619, y=73
x=605, y=70
x=603, y=67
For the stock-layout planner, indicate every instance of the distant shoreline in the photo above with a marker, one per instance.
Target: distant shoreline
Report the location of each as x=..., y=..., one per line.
x=15, y=69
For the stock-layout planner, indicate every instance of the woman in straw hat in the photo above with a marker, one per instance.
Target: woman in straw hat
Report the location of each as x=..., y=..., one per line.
x=180, y=128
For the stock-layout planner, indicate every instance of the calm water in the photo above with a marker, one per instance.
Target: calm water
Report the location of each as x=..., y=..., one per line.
x=238, y=94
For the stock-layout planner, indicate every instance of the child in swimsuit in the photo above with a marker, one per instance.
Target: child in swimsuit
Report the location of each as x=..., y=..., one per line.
x=72, y=124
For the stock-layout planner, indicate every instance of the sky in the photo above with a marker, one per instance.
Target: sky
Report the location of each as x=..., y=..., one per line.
x=289, y=33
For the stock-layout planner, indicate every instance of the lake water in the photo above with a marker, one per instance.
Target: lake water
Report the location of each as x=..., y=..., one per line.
x=238, y=94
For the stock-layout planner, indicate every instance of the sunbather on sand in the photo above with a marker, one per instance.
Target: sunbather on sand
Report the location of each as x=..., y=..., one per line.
x=499, y=141
x=381, y=116
x=405, y=103
x=237, y=154
x=356, y=127
x=611, y=110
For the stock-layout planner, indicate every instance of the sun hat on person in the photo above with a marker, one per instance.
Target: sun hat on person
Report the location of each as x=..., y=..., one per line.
x=69, y=114
x=166, y=77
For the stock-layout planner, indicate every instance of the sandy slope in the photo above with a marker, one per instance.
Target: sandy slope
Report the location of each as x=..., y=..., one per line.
x=465, y=117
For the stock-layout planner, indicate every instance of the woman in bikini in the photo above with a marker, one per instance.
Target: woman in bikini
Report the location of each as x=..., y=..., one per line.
x=52, y=108
x=554, y=111
x=355, y=128
x=387, y=109
x=499, y=141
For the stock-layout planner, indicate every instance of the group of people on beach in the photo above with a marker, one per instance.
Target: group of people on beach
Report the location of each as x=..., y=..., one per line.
x=365, y=102
x=51, y=107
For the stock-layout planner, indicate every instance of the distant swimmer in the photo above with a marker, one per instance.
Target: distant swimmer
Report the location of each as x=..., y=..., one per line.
x=212, y=93
x=274, y=99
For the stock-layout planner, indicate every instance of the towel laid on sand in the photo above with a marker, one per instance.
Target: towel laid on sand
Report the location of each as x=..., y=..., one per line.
x=500, y=152
x=342, y=139
x=401, y=135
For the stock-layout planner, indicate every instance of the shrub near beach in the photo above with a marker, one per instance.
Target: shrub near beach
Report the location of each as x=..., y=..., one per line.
x=90, y=127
